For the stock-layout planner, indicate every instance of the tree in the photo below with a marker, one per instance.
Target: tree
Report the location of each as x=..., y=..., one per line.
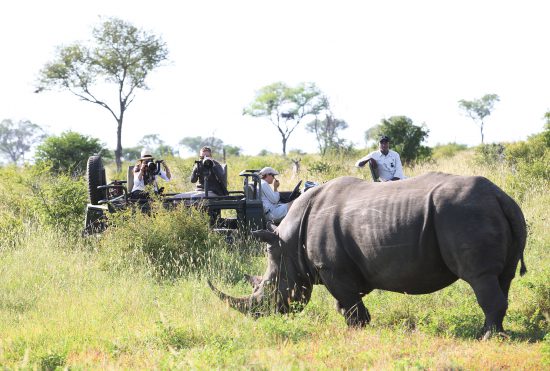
x=131, y=153
x=478, y=109
x=119, y=54
x=406, y=138
x=156, y=145
x=232, y=150
x=194, y=144
x=67, y=152
x=16, y=139
x=285, y=106
x=326, y=132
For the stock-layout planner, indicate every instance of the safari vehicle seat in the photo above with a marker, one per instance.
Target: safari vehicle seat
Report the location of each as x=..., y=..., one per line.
x=224, y=179
x=130, y=178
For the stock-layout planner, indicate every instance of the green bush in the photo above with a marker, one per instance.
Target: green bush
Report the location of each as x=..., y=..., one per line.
x=441, y=151
x=172, y=243
x=489, y=154
x=59, y=201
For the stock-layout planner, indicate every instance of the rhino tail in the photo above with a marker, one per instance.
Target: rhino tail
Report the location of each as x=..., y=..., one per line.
x=523, y=268
x=518, y=225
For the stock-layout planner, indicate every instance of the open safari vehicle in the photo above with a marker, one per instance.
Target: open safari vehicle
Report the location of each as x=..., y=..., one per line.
x=107, y=198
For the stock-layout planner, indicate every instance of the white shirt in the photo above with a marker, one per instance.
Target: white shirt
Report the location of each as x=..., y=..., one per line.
x=389, y=166
x=139, y=184
x=273, y=210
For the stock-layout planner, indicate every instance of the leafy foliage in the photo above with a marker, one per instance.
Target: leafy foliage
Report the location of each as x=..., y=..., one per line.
x=286, y=106
x=16, y=139
x=120, y=54
x=156, y=145
x=406, y=138
x=67, y=152
x=326, y=132
x=447, y=150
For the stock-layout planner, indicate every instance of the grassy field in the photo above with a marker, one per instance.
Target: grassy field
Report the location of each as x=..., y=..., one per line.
x=136, y=297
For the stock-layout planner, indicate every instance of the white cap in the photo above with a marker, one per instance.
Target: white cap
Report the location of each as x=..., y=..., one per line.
x=268, y=170
x=145, y=154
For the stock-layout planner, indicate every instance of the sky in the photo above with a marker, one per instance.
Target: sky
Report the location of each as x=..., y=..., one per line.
x=373, y=59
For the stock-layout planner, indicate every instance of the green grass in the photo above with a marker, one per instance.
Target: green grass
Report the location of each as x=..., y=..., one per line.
x=136, y=297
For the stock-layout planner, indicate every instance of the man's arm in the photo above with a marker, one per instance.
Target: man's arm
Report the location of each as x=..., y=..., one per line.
x=363, y=161
x=268, y=193
x=195, y=174
x=398, y=175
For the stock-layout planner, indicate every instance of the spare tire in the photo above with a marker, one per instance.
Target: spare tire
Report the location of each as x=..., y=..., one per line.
x=96, y=177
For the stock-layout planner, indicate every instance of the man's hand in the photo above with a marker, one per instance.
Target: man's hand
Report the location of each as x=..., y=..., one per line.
x=276, y=184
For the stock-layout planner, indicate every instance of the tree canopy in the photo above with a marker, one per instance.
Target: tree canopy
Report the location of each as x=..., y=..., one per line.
x=326, y=132
x=194, y=144
x=156, y=145
x=478, y=109
x=406, y=138
x=119, y=54
x=68, y=152
x=285, y=106
x=16, y=139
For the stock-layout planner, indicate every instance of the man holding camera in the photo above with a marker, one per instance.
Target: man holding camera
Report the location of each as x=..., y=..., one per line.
x=208, y=174
x=145, y=173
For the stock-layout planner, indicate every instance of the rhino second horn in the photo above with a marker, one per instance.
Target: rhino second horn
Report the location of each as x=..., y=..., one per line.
x=243, y=305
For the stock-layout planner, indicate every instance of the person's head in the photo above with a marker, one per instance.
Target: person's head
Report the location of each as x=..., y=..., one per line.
x=205, y=152
x=268, y=174
x=384, y=144
x=145, y=155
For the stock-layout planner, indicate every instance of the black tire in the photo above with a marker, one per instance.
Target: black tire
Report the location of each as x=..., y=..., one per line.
x=96, y=177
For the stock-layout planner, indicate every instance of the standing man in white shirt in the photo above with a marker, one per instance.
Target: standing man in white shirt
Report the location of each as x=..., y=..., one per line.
x=386, y=161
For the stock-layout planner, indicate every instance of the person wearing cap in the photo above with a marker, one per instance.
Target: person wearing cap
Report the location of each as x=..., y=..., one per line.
x=215, y=176
x=274, y=210
x=386, y=161
x=143, y=177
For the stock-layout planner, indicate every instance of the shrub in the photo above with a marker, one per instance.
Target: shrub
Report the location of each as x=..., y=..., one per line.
x=59, y=201
x=449, y=150
x=172, y=243
x=489, y=154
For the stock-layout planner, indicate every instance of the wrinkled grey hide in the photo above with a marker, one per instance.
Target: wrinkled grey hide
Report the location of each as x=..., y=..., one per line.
x=413, y=236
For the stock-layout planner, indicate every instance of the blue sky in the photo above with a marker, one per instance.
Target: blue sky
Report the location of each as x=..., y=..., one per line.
x=373, y=59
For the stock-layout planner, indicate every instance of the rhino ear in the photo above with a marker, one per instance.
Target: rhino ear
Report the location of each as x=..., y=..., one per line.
x=265, y=236
x=253, y=280
x=271, y=226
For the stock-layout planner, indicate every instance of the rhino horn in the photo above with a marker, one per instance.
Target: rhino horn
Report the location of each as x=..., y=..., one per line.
x=243, y=305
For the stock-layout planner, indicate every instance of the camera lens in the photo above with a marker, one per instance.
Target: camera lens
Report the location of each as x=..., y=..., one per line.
x=208, y=163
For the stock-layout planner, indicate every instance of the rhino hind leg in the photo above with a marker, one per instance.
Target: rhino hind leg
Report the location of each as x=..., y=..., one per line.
x=493, y=301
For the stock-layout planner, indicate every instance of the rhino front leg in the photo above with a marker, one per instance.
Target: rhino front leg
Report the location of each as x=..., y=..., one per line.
x=348, y=297
x=356, y=315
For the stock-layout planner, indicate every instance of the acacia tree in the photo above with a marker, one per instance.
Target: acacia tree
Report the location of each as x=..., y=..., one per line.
x=16, y=139
x=154, y=143
x=119, y=54
x=194, y=144
x=326, y=132
x=286, y=106
x=406, y=138
x=478, y=109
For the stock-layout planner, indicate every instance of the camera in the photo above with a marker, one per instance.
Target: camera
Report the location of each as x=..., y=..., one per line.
x=207, y=163
x=153, y=167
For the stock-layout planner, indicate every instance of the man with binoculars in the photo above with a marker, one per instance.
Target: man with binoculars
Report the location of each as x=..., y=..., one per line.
x=208, y=174
x=145, y=173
